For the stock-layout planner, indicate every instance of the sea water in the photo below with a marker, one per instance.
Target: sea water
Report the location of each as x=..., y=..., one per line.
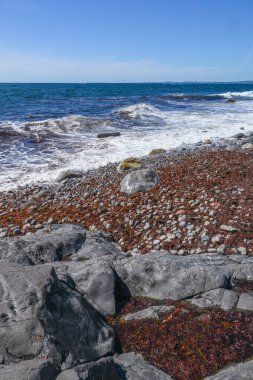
x=47, y=128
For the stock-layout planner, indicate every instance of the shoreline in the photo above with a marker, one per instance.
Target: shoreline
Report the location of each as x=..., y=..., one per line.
x=183, y=214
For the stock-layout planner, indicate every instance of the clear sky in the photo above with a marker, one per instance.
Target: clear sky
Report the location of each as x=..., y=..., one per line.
x=126, y=40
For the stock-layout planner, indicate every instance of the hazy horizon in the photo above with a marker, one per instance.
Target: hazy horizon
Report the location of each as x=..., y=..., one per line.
x=119, y=42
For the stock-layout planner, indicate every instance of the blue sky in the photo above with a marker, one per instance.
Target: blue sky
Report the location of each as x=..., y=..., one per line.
x=125, y=40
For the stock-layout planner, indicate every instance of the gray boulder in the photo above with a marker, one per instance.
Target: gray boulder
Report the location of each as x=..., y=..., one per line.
x=242, y=371
x=35, y=369
x=132, y=366
x=102, y=369
x=95, y=247
x=94, y=279
x=57, y=242
x=139, y=180
x=166, y=276
x=43, y=317
x=69, y=174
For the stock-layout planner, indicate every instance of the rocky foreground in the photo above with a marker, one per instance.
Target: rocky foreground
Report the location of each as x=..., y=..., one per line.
x=98, y=281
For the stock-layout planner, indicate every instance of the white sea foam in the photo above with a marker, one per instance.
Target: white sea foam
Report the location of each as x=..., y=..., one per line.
x=85, y=151
x=138, y=111
x=243, y=94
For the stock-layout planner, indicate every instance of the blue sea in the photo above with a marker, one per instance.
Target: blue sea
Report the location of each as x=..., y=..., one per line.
x=47, y=128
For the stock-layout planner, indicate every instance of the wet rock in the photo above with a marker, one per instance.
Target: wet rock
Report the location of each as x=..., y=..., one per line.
x=42, y=316
x=68, y=174
x=140, y=180
x=238, y=136
x=132, y=366
x=130, y=163
x=230, y=100
x=108, y=134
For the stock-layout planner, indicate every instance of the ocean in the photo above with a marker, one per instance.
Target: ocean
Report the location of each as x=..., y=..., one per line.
x=47, y=128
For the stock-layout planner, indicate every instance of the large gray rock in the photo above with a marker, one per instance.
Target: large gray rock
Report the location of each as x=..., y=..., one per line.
x=139, y=180
x=43, y=317
x=242, y=371
x=166, y=276
x=43, y=246
x=35, y=369
x=102, y=369
x=95, y=247
x=95, y=279
x=132, y=366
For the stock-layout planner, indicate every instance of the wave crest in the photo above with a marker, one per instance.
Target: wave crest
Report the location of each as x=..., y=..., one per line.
x=137, y=111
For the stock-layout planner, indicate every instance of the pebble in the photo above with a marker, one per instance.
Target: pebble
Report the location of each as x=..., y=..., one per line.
x=242, y=250
x=226, y=228
x=146, y=226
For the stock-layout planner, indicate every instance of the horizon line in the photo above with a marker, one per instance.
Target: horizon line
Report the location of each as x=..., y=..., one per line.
x=128, y=82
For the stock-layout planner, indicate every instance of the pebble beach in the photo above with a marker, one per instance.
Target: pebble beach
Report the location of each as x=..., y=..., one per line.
x=203, y=202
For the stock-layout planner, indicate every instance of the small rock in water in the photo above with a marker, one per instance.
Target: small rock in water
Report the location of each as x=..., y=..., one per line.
x=108, y=134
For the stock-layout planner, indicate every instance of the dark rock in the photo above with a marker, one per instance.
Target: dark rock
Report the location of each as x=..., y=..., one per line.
x=139, y=180
x=103, y=369
x=35, y=369
x=238, y=136
x=42, y=316
x=108, y=134
x=230, y=101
